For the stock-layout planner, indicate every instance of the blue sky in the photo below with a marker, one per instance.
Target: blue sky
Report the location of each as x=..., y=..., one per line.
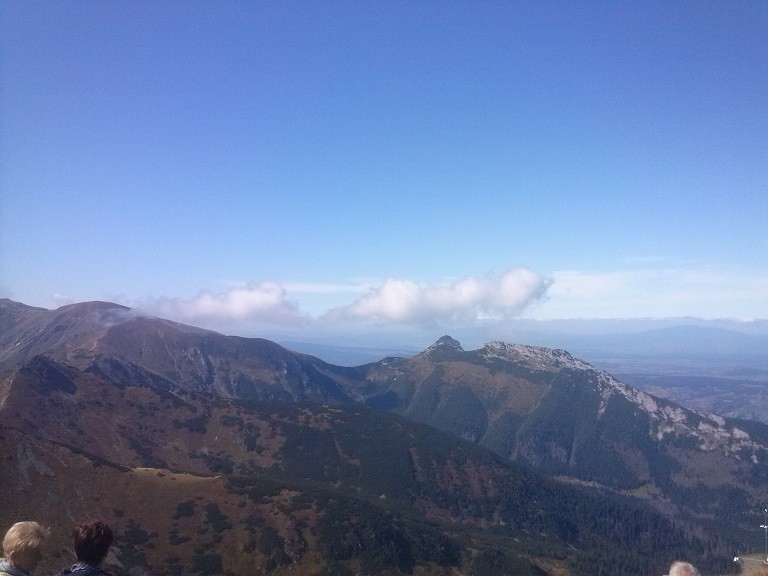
x=260, y=167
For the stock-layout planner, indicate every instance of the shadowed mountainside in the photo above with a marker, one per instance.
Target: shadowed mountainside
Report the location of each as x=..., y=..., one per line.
x=196, y=484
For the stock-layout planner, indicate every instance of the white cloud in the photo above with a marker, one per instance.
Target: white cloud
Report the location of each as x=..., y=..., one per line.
x=263, y=302
x=61, y=299
x=407, y=301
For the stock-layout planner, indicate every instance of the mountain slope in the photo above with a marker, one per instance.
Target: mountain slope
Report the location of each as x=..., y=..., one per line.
x=197, y=484
x=115, y=342
x=560, y=415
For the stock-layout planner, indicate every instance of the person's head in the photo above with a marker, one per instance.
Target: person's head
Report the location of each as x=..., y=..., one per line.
x=683, y=569
x=92, y=540
x=23, y=545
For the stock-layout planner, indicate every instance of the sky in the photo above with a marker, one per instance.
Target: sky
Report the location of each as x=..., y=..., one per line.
x=341, y=169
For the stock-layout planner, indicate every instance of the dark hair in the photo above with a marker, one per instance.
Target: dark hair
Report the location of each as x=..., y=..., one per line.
x=92, y=540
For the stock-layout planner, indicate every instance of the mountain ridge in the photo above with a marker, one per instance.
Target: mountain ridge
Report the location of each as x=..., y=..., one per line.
x=530, y=405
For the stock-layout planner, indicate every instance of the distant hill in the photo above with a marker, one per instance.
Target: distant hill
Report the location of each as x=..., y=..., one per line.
x=108, y=412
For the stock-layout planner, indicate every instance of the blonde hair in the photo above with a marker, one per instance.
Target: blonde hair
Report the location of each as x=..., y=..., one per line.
x=682, y=569
x=23, y=544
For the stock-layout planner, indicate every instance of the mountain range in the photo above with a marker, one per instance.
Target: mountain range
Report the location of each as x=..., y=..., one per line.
x=212, y=454
x=713, y=366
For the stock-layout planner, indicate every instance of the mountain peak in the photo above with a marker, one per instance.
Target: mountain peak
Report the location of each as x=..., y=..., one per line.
x=443, y=349
x=448, y=341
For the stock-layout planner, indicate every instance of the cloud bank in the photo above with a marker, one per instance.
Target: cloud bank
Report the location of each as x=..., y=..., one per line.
x=405, y=301
x=261, y=302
